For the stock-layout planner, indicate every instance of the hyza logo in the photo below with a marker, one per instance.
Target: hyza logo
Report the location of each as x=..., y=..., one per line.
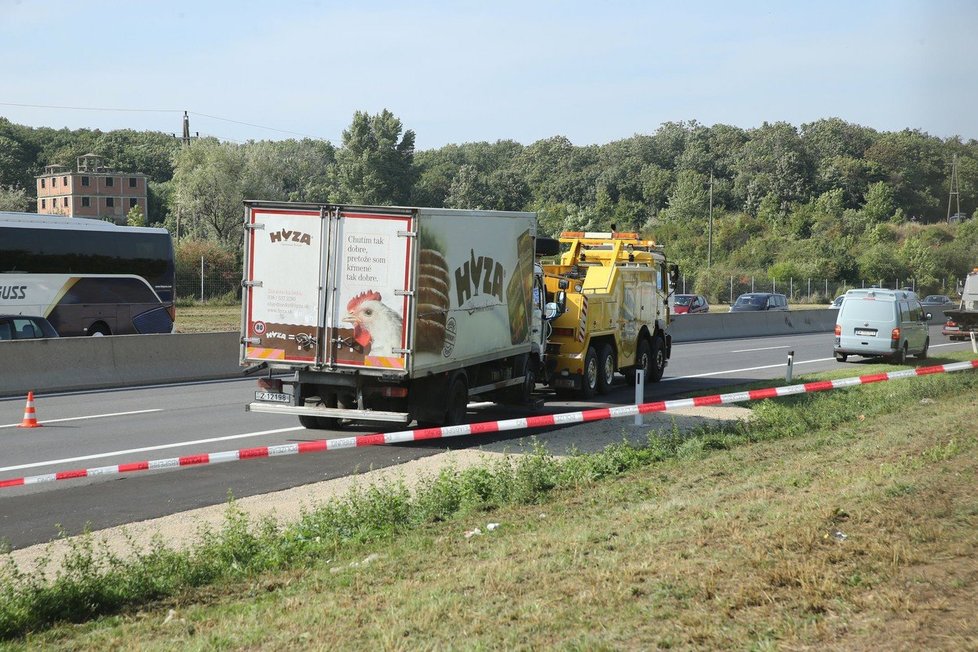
x=479, y=275
x=286, y=235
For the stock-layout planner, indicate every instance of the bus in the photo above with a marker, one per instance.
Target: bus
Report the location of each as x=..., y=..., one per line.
x=87, y=277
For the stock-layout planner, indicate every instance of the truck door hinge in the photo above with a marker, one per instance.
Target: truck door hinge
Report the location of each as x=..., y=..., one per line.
x=251, y=284
x=251, y=340
x=407, y=234
x=255, y=227
x=403, y=293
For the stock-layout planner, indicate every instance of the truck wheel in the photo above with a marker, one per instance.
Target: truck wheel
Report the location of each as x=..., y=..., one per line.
x=458, y=400
x=314, y=423
x=643, y=362
x=589, y=381
x=841, y=357
x=606, y=369
x=658, y=360
x=923, y=353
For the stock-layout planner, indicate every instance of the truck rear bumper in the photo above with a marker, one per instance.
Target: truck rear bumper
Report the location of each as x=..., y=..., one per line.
x=335, y=413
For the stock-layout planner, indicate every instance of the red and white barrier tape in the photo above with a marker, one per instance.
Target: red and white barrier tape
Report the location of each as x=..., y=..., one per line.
x=404, y=436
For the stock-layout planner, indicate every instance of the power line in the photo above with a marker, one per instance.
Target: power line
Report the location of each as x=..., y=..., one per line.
x=249, y=124
x=203, y=115
x=87, y=108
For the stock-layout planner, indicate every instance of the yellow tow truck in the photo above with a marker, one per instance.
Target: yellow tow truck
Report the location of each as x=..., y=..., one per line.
x=612, y=290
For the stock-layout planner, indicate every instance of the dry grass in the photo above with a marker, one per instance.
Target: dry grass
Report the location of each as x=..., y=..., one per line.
x=208, y=319
x=860, y=538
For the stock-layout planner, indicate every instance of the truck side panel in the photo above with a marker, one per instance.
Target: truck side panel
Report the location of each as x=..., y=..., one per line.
x=474, y=285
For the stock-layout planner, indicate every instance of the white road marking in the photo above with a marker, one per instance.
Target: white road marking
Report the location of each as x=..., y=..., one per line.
x=766, y=348
x=144, y=449
x=772, y=366
x=91, y=416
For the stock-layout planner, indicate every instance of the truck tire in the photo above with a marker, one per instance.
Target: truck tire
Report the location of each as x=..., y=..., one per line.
x=658, y=361
x=458, y=400
x=643, y=361
x=606, y=368
x=315, y=423
x=589, y=380
x=923, y=353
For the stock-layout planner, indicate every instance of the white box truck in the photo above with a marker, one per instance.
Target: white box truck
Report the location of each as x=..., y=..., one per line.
x=389, y=314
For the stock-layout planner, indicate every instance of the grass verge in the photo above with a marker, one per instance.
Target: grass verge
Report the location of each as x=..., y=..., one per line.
x=840, y=519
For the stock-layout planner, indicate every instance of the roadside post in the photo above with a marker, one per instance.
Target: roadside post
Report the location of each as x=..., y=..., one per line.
x=640, y=391
x=791, y=366
x=974, y=343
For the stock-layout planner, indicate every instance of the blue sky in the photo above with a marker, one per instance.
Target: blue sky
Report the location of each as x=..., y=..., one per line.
x=498, y=69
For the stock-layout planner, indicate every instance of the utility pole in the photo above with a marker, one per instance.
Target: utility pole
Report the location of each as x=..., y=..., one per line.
x=709, y=243
x=955, y=195
x=186, y=129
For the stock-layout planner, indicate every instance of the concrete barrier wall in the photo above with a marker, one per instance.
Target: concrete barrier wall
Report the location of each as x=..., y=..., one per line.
x=71, y=363
x=715, y=326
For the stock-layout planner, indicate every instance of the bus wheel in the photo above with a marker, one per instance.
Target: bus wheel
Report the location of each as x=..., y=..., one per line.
x=99, y=329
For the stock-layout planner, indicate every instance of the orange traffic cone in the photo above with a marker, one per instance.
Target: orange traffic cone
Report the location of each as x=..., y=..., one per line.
x=30, y=417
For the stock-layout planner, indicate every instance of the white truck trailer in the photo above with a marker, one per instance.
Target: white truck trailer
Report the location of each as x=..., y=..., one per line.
x=389, y=314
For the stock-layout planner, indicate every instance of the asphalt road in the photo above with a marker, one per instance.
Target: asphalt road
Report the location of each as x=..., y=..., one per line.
x=108, y=427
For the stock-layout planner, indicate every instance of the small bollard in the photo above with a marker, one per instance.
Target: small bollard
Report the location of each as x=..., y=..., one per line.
x=974, y=343
x=791, y=366
x=639, y=393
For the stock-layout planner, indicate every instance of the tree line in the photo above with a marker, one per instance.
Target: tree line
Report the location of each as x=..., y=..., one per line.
x=828, y=199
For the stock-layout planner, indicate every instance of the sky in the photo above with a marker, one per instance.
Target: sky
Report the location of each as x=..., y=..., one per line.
x=465, y=71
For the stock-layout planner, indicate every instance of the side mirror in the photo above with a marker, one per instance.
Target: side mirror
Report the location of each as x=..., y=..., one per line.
x=928, y=316
x=674, y=276
x=555, y=309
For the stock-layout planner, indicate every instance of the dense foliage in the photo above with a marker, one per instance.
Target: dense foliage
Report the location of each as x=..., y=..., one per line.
x=830, y=199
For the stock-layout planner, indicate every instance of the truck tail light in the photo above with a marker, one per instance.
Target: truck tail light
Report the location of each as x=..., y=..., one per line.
x=951, y=323
x=895, y=334
x=394, y=392
x=564, y=332
x=838, y=330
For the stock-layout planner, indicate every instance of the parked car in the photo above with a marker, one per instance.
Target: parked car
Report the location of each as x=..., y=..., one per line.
x=754, y=301
x=690, y=304
x=937, y=301
x=876, y=323
x=837, y=303
x=21, y=327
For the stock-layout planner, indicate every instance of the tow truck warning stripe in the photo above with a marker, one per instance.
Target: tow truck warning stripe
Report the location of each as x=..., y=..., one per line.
x=542, y=420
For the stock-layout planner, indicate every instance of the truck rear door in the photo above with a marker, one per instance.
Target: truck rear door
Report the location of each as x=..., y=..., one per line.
x=368, y=278
x=282, y=299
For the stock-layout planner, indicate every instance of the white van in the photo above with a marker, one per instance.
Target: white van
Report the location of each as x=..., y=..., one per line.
x=876, y=322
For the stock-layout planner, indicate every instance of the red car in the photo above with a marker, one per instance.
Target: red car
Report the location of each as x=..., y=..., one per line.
x=690, y=303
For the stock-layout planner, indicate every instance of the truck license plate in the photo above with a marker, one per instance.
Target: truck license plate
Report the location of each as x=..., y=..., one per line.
x=273, y=397
x=865, y=332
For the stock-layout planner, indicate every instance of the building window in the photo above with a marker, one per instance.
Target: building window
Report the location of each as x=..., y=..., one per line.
x=110, y=202
x=108, y=181
x=84, y=181
x=65, y=203
x=65, y=181
x=132, y=202
x=132, y=182
x=42, y=183
x=54, y=181
x=85, y=202
x=43, y=203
